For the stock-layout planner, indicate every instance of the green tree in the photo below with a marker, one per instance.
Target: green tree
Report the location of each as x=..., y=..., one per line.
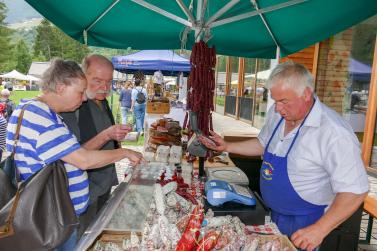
x=46, y=43
x=22, y=57
x=51, y=42
x=6, y=61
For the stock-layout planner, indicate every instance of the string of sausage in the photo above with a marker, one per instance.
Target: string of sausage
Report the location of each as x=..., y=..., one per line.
x=201, y=85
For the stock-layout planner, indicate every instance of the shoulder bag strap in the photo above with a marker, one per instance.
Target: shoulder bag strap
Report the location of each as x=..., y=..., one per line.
x=7, y=229
x=18, y=128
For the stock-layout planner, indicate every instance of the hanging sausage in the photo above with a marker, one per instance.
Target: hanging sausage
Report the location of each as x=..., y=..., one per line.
x=201, y=85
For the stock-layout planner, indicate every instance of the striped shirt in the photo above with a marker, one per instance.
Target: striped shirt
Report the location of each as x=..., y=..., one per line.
x=3, y=131
x=44, y=138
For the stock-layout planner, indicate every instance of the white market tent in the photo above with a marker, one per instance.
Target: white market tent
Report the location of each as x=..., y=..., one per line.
x=262, y=75
x=14, y=75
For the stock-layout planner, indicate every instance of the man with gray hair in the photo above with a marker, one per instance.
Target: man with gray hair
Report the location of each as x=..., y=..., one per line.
x=312, y=175
x=93, y=124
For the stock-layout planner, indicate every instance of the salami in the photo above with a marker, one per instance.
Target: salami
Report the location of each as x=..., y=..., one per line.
x=201, y=85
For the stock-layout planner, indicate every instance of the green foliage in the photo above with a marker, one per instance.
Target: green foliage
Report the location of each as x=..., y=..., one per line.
x=6, y=62
x=22, y=57
x=221, y=64
x=50, y=42
x=109, y=53
x=26, y=34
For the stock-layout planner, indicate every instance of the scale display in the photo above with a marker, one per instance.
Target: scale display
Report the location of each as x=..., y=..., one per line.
x=218, y=192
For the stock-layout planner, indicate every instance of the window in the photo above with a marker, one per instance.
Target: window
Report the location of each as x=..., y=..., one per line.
x=261, y=94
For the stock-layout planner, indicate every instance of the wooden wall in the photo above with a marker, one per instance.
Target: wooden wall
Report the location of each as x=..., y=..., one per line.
x=306, y=57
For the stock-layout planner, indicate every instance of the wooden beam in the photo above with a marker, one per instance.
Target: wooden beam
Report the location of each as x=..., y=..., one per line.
x=315, y=61
x=228, y=77
x=216, y=82
x=255, y=91
x=241, y=77
x=370, y=119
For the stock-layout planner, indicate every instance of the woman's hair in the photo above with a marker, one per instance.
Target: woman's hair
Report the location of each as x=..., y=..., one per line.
x=60, y=71
x=137, y=82
x=294, y=76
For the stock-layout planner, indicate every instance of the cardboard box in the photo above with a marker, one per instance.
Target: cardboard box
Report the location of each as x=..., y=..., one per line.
x=282, y=238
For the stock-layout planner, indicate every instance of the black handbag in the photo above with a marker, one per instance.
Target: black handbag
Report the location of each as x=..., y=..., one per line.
x=8, y=180
x=40, y=216
x=9, y=176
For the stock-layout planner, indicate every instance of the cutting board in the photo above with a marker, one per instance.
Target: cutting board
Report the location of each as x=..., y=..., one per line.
x=215, y=164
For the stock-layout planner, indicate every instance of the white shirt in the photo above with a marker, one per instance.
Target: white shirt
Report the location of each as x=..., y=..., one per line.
x=326, y=157
x=158, y=77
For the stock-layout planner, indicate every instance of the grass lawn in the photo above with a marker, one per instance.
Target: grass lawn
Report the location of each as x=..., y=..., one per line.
x=220, y=100
x=18, y=95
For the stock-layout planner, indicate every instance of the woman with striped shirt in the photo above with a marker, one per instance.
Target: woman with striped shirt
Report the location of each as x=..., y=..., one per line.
x=44, y=138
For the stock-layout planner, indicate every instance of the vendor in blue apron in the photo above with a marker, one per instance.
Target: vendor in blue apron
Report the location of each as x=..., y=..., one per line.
x=312, y=176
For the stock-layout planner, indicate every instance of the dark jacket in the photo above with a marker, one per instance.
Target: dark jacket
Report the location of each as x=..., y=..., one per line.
x=102, y=179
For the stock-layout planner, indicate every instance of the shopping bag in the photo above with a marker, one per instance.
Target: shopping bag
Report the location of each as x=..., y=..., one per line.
x=41, y=215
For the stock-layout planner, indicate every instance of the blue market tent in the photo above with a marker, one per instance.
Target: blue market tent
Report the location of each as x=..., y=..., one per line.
x=149, y=61
x=359, y=71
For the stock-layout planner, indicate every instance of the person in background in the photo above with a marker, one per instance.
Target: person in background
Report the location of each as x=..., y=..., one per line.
x=125, y=100
x=3, y=130
x=45, y=138
x=9, y=85
x=139, y=99
x=10, y=106
x=312, y=176
x=93, y=124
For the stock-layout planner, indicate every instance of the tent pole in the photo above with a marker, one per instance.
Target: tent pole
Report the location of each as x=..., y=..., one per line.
x=186, y=11
x=220, y=12
x=265, y=23
x=274, y=63
x=102, y=15
x=163, y=12
x=256, y=12
x=198, y=18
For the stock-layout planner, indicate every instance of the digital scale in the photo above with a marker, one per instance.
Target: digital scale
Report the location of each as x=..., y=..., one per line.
x=224, y=198
x=232, y=175
x=218, y=192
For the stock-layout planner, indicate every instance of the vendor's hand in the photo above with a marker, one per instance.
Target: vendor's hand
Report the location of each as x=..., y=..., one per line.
x=117, y=132
x=220, y=144
x=308, y=238
x=134, y=157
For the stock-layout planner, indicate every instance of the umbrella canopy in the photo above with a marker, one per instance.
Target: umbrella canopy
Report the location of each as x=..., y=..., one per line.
x=15, y=75
x=247, y=28
x=149, y=61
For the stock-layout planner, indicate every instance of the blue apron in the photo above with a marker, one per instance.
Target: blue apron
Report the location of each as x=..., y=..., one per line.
x=288, y=210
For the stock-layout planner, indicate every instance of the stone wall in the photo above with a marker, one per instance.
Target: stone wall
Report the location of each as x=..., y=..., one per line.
x=332, y=69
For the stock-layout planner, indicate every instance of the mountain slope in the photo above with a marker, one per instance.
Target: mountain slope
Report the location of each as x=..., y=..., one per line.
x=19, y=11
